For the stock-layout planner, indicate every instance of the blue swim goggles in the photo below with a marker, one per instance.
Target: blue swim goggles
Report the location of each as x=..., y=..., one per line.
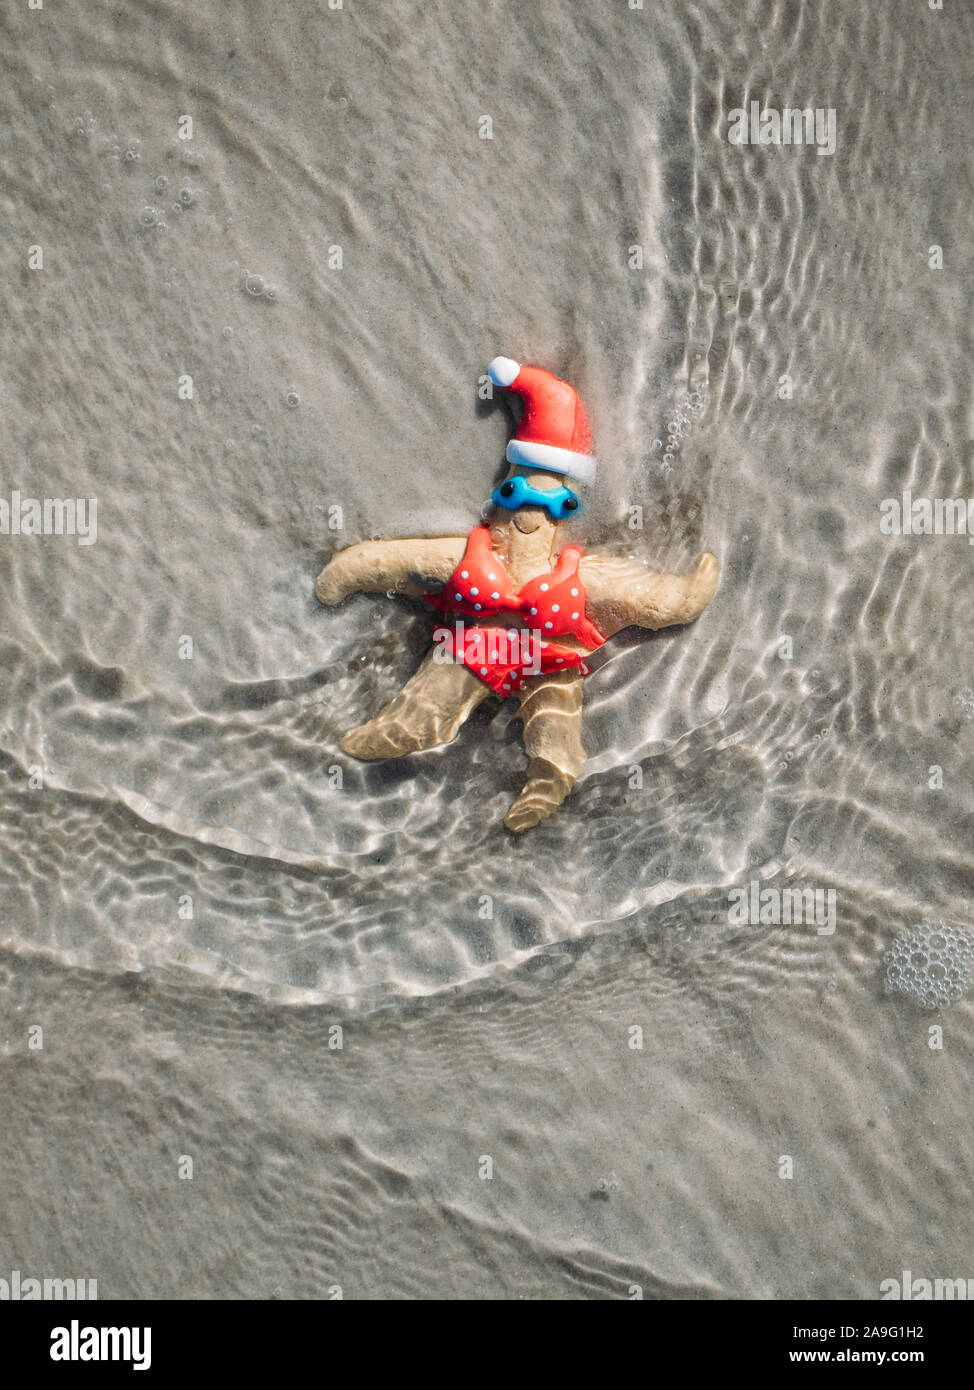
x=516, y=492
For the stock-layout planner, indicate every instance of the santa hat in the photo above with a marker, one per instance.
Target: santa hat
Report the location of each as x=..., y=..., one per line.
x=553, y=434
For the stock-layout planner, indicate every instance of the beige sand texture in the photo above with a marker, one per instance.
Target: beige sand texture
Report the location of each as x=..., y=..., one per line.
x=199, y=888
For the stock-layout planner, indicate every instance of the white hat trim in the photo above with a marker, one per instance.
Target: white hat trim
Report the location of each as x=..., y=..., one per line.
x=530, y=454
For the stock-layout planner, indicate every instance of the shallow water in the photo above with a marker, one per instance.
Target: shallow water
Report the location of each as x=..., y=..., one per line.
x=210, y=782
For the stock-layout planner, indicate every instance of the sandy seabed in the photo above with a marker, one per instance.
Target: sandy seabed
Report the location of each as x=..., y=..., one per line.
x=589, y=1087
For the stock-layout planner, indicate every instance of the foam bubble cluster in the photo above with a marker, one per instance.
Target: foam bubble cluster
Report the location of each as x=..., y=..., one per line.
x=687, y=411
x=931, y=964
x=126, y=151
x=966, y=701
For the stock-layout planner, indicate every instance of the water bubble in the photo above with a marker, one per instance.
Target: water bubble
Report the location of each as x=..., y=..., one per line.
x=254, y=285
x=230, y=445
x=292, y=400
x=188, y=196
x=161, y=183
x=227, y=332
x=667, y=458
x=657, y=444
x=149, y=216
x=270, y=291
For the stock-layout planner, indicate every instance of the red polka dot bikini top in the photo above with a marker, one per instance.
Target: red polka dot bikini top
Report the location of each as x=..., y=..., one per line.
x=552, y=604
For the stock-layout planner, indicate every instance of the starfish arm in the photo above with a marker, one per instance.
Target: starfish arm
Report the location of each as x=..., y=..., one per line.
x=376, y=566
x=623, y=593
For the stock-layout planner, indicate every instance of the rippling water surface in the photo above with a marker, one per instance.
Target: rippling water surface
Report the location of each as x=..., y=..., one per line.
x=198, y=888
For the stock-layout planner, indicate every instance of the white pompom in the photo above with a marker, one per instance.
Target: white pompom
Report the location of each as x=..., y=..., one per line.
x=503, y=371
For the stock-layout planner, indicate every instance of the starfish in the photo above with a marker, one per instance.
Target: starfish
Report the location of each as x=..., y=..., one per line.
x=515, y=558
